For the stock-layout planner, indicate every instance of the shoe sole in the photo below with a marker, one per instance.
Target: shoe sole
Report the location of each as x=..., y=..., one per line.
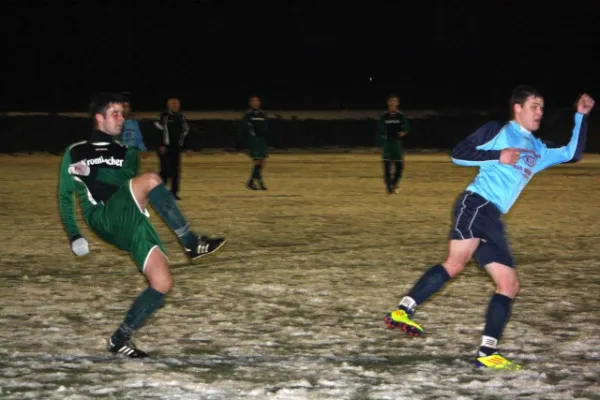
x=212, y=252
x=402, y=326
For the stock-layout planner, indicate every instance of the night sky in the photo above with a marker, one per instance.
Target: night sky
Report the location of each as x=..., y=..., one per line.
x=301, y=56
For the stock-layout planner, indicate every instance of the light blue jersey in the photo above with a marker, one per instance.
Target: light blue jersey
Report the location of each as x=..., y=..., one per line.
x=132, y=135
x=501, y=183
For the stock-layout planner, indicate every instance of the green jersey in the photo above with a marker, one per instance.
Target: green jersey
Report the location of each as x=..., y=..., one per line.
x=255, y=124
x=390, y=125
x=109, y=163
x=253, y=132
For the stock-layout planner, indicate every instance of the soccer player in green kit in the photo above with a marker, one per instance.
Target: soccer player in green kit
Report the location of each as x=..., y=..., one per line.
x=392, y=127
x=113, y=198
x=253, y=131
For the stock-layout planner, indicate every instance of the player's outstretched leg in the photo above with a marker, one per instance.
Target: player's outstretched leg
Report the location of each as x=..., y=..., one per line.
x=433, y=280
x=149, y=188
x=151, y=299
x=429, y=283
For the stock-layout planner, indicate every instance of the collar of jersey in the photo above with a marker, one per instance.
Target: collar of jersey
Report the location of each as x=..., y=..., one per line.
x=101, y=138
x=519, y=128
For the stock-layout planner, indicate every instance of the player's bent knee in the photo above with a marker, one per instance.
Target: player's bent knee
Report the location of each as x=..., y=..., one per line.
x=453, y=267
x=459, y=254
x=161, y=280
x=505, y=277
x=147, y=181
x=163, y=285
x=510, y=289
x=157, y=271
x=153, y=179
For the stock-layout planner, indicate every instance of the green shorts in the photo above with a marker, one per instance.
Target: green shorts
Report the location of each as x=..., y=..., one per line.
x=124, y=224
x=393, y=151
x=258, y=148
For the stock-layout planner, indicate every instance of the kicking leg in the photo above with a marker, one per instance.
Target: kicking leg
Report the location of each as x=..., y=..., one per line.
x=459, y=254
x=149, y=188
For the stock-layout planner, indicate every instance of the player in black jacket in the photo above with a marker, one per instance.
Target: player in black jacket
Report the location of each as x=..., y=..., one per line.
x=174, y=129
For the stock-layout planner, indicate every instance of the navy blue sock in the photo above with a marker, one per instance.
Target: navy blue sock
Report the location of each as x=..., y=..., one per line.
x=497, y=317
x=431, y=281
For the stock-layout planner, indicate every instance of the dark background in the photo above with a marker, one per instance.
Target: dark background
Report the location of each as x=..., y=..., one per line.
x=296, y=55
x=457, y=58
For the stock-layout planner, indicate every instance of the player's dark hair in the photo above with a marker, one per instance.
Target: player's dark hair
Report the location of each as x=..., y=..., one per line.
x=126, y=98
x=392, y=96
x=520, y=94
x=100, y=101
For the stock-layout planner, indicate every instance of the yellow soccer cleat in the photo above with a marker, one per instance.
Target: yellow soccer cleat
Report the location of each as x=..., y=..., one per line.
x=496, y=361
x=400, y=319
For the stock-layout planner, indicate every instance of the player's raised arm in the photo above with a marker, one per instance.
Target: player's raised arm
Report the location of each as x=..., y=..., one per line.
x=472, y=150
x=66, y=204
x=572, y=151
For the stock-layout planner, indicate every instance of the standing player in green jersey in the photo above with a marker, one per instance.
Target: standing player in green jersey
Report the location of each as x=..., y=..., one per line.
x=253, y=132
x=392, y=127
x=113, y=199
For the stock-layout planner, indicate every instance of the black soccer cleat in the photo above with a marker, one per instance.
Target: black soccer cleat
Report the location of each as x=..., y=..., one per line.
x=261, y=186
x=126, y=349
x=250, y=185
x=205, y=246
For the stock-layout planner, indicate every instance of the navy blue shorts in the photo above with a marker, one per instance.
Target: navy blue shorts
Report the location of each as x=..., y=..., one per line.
x=475, y=217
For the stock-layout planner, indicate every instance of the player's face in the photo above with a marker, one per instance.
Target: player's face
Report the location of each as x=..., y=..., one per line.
x=112, y=120
x=393, y=103
x=174, y=105
x=529, y=115
x=255, y=103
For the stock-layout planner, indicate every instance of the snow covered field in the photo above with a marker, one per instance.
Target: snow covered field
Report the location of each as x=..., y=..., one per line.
x=292, y=307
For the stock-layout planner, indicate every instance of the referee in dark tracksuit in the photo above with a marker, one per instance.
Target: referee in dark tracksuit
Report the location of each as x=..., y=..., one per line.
x=174, y=129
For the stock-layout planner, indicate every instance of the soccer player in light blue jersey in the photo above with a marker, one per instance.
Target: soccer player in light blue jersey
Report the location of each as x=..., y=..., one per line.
x=131, y=135
x=507, y=156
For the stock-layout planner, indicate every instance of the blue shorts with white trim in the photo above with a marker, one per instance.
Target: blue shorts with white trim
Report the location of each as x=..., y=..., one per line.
x=475, y=217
